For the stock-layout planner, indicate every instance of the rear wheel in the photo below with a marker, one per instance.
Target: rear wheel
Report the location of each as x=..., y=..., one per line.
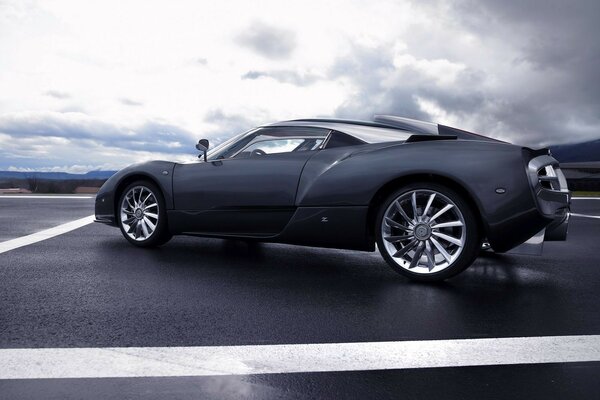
x=142, y=215
x=427, y=232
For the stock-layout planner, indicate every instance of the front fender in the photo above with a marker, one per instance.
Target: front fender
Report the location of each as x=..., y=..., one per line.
x=159, y=172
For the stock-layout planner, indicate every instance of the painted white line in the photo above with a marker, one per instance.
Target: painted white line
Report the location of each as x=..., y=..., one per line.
x=16, y=196
x=45, y=234
x=585, y=216
x=288, y=358
x=585, y=198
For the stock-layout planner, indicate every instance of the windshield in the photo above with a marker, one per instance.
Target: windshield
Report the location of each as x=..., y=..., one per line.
x=219, y=150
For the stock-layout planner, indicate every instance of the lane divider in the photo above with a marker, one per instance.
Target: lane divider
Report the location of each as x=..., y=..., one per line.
x=49, y=363
x=45, y=234
x=13, y=196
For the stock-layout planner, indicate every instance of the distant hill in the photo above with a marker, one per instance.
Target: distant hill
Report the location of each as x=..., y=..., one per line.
x=56, y=175
x=577, y=152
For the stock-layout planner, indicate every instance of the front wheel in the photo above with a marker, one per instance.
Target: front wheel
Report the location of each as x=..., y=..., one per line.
x=142, y=215
x=427, y=232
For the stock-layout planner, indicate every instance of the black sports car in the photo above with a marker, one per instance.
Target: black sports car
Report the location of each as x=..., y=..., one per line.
x=426, y=195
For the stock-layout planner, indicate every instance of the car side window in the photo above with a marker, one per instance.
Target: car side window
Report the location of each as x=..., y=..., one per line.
x=275, y=145
x=281, y=140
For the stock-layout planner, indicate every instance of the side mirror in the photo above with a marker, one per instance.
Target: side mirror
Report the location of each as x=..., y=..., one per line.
x=202, y=146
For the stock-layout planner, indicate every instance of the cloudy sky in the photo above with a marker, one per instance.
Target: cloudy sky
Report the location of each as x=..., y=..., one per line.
x=101, y=84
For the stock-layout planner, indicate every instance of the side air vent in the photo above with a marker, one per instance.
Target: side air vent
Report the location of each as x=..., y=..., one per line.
x=544, y=172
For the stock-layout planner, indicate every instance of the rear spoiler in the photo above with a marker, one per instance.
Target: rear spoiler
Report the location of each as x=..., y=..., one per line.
x=428, y=138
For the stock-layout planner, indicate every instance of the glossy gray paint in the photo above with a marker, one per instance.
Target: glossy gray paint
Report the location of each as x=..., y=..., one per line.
x=327, y=197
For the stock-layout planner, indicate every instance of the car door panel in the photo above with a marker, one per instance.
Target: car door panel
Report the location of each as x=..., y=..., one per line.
x=245, y=195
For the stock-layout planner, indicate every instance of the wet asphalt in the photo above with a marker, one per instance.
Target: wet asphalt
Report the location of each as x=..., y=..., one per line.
x=90, y=288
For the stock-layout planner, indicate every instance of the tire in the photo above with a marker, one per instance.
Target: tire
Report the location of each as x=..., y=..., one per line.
x=142, y=216
x=442, y=241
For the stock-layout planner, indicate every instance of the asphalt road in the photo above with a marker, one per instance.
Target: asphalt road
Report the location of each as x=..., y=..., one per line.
x=90, y=288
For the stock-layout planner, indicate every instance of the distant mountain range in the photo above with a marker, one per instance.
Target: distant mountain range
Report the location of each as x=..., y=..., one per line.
x=577, y=152
x=56, y=175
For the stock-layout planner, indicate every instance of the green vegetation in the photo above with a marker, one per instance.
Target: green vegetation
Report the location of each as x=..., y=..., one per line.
x=585, y=194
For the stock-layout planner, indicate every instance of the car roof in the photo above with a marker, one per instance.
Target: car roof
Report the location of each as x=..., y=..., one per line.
x=383, y=129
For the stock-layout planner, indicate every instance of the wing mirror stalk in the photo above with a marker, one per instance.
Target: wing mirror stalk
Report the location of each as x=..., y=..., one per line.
x=202, y=146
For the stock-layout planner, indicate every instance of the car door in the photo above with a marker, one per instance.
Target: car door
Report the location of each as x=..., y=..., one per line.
x=249, y=193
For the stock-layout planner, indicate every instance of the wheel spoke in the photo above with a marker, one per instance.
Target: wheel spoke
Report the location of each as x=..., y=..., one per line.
x=144, y=228
x=138, y=229
x=405, y=249
x=447, y=225
x=129, y=220
x=441, y=249
x=417, y=256
x=414, y=206
x=448, y=238
x=430, y=256
x=151, y=205
x=401, y=211
x=399, y=238
x=146, y=199
x=150, y=224
x=151, y=215
x=443, y=210
x=428, y=206
x=395, y=224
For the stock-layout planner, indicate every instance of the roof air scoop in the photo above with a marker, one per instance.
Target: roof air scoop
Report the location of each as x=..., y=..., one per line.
x=413, y=125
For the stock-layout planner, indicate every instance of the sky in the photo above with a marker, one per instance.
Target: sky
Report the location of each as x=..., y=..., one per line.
x=89, y=85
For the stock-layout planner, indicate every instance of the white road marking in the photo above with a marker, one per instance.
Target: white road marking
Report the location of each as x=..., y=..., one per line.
x=16, y=196
x=585, y=216
x=48, y=363
x=585, y=198
x=45, y=234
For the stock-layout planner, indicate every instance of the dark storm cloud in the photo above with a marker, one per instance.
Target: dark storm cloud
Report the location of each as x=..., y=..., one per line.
x=370, y=69
x=548, y=92
x=557, y=41
x=57, y=94
x=268, y=41
x=151, y=136
x=284, y=76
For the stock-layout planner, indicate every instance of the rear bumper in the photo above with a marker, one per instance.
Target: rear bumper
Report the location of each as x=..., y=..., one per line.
x=553, y=201
x=552, y=195
x=557, y=230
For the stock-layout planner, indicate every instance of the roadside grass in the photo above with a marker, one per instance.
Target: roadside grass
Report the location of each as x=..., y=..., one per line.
x=585, y=194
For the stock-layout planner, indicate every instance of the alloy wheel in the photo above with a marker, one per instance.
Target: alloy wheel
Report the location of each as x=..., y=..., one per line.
x=423, y=231
x=139, y=213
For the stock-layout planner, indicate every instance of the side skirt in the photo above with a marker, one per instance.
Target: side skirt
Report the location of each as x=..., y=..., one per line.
x=343, y=227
